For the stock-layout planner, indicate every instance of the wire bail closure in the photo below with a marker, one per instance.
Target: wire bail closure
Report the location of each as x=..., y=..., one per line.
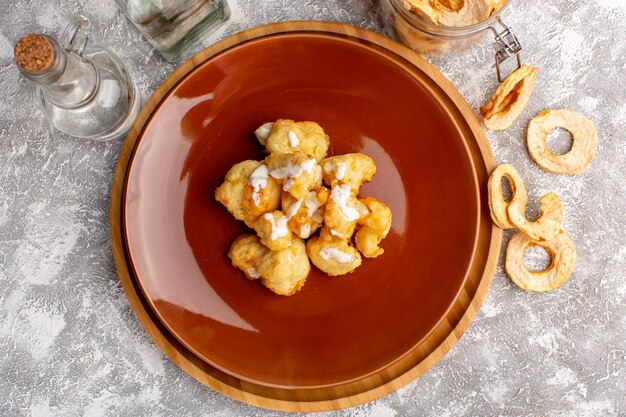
x=506, y=46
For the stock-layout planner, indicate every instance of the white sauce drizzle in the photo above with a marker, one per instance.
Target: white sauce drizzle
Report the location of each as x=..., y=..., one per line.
x=293, y=139
x=293, y=209
x=308, y=165
x=336, y=255
x=258, y=181
x=340, y=195
x=340, y=170
x=318, y=216
x=292, y=171
x=253, y=273
x=263, y=132
x=312, y=204
x=305, y=231
x=279, y=226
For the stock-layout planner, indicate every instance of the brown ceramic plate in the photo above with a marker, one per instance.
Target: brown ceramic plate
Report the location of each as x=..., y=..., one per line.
x=334, y=330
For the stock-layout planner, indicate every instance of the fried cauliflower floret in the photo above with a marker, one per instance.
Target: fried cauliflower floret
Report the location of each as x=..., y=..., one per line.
x=307, y=215
x=343, y=210
x=245, y=254
x=331, y=254
x=352, y=169
x=273, y=231
x=247, y=193
x=374, y=228
x=287, y=136
x=297, y=172
x=285, y=271
x=261, y=191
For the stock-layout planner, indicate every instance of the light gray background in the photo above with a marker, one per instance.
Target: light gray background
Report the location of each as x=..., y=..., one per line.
x=70, y=344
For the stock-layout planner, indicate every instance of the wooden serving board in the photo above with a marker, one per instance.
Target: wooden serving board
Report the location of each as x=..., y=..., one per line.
x=405, y=370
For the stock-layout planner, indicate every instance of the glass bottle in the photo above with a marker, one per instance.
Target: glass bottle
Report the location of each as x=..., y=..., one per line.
x=83, y=90
x=174, y=26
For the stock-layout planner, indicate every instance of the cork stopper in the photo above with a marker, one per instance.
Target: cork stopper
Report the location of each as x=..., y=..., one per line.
x=34, y=53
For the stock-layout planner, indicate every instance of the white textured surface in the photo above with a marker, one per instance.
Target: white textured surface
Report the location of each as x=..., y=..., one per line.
x=70, y=345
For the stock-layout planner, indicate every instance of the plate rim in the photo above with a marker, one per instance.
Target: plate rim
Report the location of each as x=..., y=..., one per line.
x=237, y=388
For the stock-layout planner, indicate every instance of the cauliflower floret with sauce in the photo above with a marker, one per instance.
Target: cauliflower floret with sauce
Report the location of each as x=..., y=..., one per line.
x=282, y=198
x=273, y=231
x=331, y=254
x=297, y=172
x=285, y=271
x=248, y=191
x=245, y=254
x=374, y=228
x=287, y=136
x=352, y=169
x=305, y=216
x=343, y=210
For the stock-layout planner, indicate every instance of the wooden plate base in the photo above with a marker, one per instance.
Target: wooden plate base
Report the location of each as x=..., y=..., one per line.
x=439, y=342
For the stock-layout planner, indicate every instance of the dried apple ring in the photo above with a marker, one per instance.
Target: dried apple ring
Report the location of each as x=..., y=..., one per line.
x=547, y=225
x=421, y=9
x=563, y=254
x=497, y=204
x=510, y=98
x=584, y=141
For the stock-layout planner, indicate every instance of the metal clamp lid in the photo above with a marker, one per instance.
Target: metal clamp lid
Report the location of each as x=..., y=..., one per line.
x=506, y=46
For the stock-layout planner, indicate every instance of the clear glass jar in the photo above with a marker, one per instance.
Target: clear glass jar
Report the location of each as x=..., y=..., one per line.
x=84, y=91
x=174, y=26
x=427, y=38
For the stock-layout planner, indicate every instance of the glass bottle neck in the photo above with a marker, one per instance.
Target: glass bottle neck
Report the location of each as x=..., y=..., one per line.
x=70, y=82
